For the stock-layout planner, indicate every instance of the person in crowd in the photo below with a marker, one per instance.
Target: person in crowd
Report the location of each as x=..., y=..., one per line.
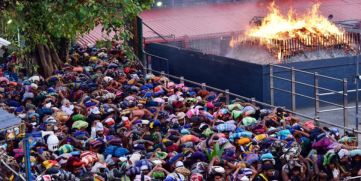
x=101, y=117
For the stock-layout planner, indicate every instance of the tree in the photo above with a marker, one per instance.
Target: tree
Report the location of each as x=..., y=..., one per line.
x=49, y=26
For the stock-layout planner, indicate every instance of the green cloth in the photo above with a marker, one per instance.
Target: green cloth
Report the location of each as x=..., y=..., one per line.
x=78, y=117
x=158, y=175
x=207, y=132
x=67, y=148
x=236, y=114
x=235, y=106
x=248, y=121
x=79, y=125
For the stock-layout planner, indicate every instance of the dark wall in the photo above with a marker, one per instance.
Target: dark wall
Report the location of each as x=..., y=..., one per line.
x=338, y=68
x=252, y=80
x=221, y=72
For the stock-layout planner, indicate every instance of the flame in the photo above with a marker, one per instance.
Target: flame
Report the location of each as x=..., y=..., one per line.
x=309, y=29
x=277, y=26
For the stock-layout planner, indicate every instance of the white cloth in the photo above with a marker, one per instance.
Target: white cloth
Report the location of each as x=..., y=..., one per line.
x=139, y=178
x=68, y=110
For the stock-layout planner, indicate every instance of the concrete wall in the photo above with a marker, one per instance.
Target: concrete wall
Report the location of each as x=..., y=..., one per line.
x=252, y=80
x=240, y=77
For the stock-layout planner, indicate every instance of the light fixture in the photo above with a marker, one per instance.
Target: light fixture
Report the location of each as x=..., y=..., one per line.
x=159, y=3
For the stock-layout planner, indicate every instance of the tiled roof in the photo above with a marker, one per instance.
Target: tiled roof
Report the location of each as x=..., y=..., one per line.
x=225, y=18
x=233, y=17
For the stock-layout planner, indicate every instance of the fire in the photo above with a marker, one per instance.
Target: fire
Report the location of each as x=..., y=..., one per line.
x=277, y=31
x=277, y=26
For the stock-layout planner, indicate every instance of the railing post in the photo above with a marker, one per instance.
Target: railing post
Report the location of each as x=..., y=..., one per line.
x=27, y=158
x=145, y=63
x=162, y=74
x=253, y=101
x=271, y=84
x=204, y=86
x=181, y=79
x=345, y=103
x=226, y=92
x=149, y=62
x=317, y=97
x=293, y=88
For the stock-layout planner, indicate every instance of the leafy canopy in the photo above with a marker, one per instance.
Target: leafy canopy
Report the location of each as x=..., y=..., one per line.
x=40, y=21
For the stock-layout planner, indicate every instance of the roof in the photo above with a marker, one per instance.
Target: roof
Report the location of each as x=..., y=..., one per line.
x=93, y=36
x=8, y=120
x=223, y=18
x=233, y=17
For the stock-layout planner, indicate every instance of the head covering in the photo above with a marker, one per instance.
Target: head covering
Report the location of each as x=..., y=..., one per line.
x=247, y=121
x=343, y=153
x=309, y=124
x=99, y=127
x=80, y=125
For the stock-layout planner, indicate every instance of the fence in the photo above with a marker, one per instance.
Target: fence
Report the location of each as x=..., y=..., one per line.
x=229, y=94
x=318, y=91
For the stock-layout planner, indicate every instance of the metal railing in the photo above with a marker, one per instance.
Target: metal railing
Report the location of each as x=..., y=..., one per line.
x=352, y=178
x=229, y=94
x=316, y=97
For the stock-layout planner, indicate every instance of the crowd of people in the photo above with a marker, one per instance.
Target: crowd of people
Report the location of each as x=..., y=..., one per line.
x=101, y=117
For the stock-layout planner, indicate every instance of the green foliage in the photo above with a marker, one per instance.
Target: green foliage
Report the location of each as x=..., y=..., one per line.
x=216, y=152
x=41, y=21
x=104, y=43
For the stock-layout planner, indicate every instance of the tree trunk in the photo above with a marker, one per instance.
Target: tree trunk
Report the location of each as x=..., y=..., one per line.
x=64, y=50
x=48, y=59
x=45, y=69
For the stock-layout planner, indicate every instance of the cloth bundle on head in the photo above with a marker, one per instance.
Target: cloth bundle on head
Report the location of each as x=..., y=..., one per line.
x=99, y=126
x=243, y=141
x=49, y=163
x=260, y=137
x=236, y=114
x=175, y=158
x=249, y=110
x=78, y=117
x=226, y=127
x=80, y=125
x=245, y=134
x=247, y=121
x=251, y=158
x=343, y=153
x=234, y=106
x=28, y=95
x=309, y=124
x=108, y=96
x=116, y=151
x=268, y=156
x=356, y=152
x=88, y=157
x=161, y=155
x=50, y=120
x=179, y=168
x=109, y=121
x=190, y=138
x=67, y=148
x=284, y=134
x=135, y=157
x=73, y=163
x=61, y=116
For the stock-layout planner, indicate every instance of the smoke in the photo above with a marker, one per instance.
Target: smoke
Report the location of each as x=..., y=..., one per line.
x=251, y=54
